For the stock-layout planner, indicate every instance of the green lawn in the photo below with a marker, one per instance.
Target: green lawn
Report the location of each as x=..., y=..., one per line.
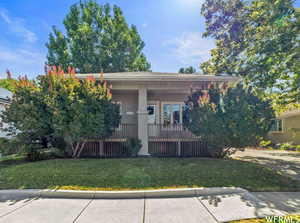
x=113, y=174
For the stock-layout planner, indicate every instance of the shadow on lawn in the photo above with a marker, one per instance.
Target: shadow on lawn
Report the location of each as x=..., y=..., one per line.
x=287, y=168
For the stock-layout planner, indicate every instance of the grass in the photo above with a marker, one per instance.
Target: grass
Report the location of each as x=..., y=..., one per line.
x=12, y=159
x=296, y=219
x=142, y=173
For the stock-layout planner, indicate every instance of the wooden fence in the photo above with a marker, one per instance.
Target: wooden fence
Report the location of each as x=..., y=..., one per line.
x=100, y=149
x=178, y=149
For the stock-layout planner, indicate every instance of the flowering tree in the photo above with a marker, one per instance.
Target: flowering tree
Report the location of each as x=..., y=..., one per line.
x=228, y=118
x=61, y=105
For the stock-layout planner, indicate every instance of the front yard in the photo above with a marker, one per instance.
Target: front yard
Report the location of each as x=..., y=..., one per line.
x=141, y=173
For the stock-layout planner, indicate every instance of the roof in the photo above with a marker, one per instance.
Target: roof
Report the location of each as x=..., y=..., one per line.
x=5, y=94
x=156, y=76
x=290, y=113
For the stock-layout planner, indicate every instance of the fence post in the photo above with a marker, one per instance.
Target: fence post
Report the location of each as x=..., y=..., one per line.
x=101, y=145
x=179, y=148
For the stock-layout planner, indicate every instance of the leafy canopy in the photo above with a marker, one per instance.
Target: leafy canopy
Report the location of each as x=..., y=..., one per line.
x=9, y=83
x=258, y=40
x=228, y=117
x=61, y=105
x=188, y=70
x=97, y=39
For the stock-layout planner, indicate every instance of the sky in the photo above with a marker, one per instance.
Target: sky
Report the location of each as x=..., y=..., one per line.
x=171, y=29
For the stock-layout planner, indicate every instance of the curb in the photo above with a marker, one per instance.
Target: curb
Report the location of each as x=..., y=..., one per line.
x=162, y=193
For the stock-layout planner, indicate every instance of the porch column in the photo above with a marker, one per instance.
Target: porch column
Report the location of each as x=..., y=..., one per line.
x=143, y=121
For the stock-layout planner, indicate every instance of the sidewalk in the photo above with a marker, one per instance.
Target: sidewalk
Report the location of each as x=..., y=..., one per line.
x=209, y=206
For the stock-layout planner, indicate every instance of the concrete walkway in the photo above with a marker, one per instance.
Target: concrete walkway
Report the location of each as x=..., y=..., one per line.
x=17, y=207
x=285, y=162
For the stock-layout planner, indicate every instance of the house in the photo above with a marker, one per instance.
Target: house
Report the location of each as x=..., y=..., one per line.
x=151, y=105
x=286, y=128
x=5, y=97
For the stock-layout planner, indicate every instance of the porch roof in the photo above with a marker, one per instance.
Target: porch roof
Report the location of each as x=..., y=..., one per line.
x=158, y=76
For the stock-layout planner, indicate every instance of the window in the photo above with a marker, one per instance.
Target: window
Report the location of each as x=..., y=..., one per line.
x=172, y=113
x=276, y=125
x=151, y=114
x=120, y=109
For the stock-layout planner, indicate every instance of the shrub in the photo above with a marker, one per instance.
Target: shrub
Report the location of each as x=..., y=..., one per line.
x=287, y=146
x=60, y=146
x=9, y=146
x=228, y=118
x=33, y=152
x=133, y=146
x=265, y=143
x=59, y=105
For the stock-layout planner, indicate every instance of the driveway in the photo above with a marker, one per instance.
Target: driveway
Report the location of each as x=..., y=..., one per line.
x=285, y=162
x=19, y=208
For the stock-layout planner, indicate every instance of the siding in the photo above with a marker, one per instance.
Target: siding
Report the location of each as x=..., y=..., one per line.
x=129, y=101
x=288, y=135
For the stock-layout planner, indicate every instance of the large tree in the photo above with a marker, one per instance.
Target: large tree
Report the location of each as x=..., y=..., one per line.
x=61, y=105
x=97, y=38
x=258, y=40
x=228, y=118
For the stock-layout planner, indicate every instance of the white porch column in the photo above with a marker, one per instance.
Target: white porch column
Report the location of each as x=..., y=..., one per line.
x=143, y=121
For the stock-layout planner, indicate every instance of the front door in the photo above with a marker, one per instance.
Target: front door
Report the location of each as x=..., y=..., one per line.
x=153, y=129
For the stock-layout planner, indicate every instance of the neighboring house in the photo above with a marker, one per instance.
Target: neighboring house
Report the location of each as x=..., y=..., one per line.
x=152, y=106
x=286, y=128
x=5, y=97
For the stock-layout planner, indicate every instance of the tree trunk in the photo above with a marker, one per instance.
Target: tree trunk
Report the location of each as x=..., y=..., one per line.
x=75, y=148
x=81, y=149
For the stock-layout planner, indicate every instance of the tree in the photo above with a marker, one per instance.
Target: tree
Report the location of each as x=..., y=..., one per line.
x=60, y=105
x=28, y=116
x=188, y=70
x=258, y=40
x=228, y=118
x=9, y=83
x=97, y=39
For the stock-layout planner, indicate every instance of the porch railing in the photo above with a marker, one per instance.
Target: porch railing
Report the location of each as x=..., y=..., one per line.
x=171, y=131
x=125, y=131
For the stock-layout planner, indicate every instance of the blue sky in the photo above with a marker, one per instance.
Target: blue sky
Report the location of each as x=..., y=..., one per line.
x=171, y=30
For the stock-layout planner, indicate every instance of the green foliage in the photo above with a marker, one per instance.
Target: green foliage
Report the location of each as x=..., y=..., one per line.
x=58, y=105
x=289, y=146
x=258, y=40
x=228, y=118
x=10, y=146
x=28, y=115
x=33, y=153
x=133, y=146
x=97, y=39
x=188, y=70
x=265, y=143
x=9, y=84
